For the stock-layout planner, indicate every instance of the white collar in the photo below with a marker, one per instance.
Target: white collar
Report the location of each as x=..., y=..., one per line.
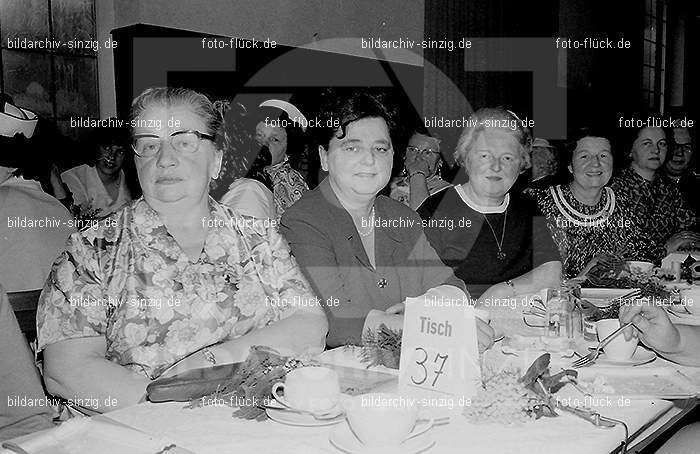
x=482, y=208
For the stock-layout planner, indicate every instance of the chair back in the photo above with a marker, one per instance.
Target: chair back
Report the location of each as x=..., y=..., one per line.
x=24, y=305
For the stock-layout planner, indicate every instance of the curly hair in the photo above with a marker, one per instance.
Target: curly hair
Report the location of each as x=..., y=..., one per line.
x=495, y=118
x=340, y=107
x=169, y=96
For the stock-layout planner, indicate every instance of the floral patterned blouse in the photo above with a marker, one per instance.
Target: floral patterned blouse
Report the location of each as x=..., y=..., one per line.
x=129, y=280
x=658, y=211
x=583, y=231
x=288, y=185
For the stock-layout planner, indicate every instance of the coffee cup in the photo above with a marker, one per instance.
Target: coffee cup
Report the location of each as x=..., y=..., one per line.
x=385, y=419
x=618, y=349
x=314, y=389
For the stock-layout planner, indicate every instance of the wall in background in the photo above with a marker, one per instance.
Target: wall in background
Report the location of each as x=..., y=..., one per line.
x=289, y=22
x=318, y=24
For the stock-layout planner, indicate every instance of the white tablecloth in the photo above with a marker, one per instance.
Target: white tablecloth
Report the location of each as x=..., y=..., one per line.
x=213, y=430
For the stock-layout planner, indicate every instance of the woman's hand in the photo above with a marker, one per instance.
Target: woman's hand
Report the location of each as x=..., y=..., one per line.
x=416, y=163
x=485, y=335
x=200, y=360
x=652, y=326
x=396, y=309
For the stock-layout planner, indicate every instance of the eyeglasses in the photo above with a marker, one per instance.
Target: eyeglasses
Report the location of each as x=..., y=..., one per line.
x=186, y=142
x=686, y=147
x=421, y=151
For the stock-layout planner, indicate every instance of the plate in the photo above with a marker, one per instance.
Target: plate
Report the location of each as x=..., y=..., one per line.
x=601, y=296
x=344, y=440
x=642, y=383
x=641, y=356
x=298, y=419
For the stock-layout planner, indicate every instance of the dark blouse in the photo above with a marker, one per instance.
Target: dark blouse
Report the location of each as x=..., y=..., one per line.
x=464, y=241
x=580, y=239
x=658, y=211
x=328, y=248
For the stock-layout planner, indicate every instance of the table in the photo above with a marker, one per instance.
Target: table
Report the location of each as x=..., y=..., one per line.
x=213, y=430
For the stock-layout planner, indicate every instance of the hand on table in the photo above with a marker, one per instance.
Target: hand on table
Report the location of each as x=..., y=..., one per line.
x=198, y=360
x=396, y=309
x=652, y=326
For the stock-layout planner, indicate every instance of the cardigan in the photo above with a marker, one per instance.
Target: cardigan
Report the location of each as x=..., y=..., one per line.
x=328, y=248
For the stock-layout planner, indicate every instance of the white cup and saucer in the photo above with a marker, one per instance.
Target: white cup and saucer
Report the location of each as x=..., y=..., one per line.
x=619, y=351
x=305, y=392
x=383, y=423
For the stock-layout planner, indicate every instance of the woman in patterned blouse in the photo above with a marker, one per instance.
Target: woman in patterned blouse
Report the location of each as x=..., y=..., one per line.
x=584, y=216
x=656, y=205
x=172, y=275
x=288, y=185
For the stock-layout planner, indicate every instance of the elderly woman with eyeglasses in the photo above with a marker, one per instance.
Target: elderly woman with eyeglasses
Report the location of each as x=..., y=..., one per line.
x=494, y=239
x=421, y=176
x=173, y=275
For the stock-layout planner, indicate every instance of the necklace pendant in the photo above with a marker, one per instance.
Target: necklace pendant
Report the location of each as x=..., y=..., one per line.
x=501, y=255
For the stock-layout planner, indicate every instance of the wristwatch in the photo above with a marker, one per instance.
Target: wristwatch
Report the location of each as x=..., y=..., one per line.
x=411, y=175
x=209, y=355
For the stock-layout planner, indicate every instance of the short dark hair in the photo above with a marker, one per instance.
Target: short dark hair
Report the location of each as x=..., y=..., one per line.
x=344, y=106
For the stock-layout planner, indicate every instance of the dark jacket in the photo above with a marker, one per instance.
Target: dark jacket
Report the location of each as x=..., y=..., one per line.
x=329, y=250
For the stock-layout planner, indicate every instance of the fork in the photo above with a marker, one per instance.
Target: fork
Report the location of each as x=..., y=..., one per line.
x=592, y=356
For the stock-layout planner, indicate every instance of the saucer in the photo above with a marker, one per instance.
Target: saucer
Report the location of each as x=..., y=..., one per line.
x=641, y=356
x=344, y=440
x=291, y=418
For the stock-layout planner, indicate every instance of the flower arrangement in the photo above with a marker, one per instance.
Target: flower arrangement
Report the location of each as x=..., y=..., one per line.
x=253, y=380
x=382, y=347
x=506, y=397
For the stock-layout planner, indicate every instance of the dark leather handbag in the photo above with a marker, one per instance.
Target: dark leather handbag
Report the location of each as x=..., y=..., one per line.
x=191, y=384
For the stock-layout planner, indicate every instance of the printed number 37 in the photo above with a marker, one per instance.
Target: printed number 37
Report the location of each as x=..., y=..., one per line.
x=421, y=363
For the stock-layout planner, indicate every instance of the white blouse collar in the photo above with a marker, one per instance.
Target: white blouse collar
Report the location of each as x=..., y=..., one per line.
x=482, y=208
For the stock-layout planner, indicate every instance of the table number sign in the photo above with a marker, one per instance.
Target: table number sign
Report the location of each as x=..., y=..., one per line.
x=439, y=352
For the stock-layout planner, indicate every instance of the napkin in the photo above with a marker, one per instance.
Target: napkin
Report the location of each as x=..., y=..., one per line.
x=82, y=435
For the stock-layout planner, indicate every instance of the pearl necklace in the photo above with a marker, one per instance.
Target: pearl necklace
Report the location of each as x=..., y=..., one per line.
x=575, y=217
x=371, y=226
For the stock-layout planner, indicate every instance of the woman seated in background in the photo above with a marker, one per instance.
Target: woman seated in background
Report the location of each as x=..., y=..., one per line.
x=355, y=260
x=656, y=205
x=276, y=143
x=101, y=189
x=172, y=275
x=545, y=168
x=248, y=192
x=421, y=175
x=583, y=215
x=494, y=240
